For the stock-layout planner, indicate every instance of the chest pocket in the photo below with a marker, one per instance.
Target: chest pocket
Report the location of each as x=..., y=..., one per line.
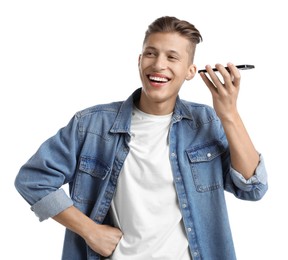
x=91, y=174
x=94, y=167
x=206, y=166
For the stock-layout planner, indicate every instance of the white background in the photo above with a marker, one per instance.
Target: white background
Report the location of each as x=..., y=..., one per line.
x=57, y=57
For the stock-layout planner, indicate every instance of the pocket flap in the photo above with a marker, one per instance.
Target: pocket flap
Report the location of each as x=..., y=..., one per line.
x=94, y=167
x=205, y=152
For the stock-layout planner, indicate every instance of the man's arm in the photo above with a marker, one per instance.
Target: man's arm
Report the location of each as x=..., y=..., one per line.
x=103, y=239
x=244, y=157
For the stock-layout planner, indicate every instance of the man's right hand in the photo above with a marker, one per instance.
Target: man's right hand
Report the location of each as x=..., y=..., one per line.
x=103, y=239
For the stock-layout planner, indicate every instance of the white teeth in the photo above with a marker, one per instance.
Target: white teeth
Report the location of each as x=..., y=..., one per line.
x=158, y=79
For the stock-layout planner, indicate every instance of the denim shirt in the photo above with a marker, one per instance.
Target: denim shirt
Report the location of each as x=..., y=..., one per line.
x=90, y=151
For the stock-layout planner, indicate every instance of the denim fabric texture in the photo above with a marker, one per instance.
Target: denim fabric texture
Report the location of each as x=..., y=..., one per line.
x=88, y=155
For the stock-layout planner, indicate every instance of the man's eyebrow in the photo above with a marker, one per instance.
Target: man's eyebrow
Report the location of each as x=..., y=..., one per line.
x=150, y=47
x=153, y=48
x=175, y=52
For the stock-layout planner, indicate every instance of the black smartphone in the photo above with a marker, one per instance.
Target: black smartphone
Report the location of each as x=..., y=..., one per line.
x=240, y=67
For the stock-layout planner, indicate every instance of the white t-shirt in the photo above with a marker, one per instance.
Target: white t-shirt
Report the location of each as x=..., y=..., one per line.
x=145, y=205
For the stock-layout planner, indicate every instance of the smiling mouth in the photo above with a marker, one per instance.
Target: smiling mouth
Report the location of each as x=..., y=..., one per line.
x=158, y=79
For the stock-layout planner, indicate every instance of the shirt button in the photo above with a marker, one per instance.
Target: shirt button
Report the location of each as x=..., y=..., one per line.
x=195, y=253
x=184, y=206
x=173, y=154
x=99, y=218
x=189, y=229
x=209, y=155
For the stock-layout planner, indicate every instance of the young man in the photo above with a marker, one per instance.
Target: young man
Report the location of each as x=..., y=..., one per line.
x=147, y=175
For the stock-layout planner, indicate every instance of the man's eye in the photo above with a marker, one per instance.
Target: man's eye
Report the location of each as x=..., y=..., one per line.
x=172, y=57
x=149, y=54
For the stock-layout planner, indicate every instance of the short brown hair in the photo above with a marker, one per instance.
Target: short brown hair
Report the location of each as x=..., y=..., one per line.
x=170, y=24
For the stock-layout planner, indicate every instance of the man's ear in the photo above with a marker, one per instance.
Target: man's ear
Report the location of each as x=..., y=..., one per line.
x=191, y=72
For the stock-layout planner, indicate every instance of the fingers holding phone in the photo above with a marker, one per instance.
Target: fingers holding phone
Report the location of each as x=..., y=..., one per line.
x=224, y=90
x=230, y=76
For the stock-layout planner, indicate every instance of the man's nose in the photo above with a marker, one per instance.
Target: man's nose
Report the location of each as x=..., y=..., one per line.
x=160, y=63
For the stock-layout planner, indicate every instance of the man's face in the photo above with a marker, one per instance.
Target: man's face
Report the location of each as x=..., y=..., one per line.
x=164, y=65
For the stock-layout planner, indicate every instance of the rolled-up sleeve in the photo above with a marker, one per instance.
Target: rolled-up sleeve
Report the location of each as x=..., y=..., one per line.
x=252, y=189
x=260, y=176
x=40, y=179
x=51, y=205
